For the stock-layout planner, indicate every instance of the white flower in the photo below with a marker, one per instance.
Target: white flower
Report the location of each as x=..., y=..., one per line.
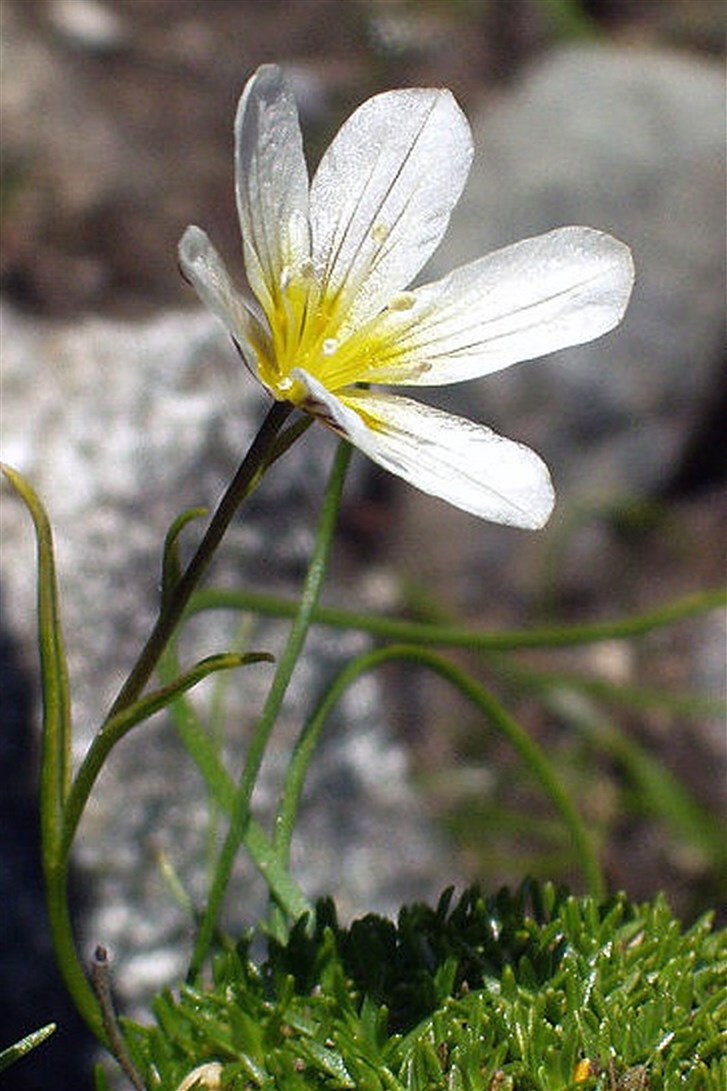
x=330, y=263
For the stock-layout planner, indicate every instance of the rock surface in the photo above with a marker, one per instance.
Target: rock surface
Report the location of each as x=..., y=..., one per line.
x=630, y=142
x=119, y=427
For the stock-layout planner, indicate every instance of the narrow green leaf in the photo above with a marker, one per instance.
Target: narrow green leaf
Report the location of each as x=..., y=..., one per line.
x=240, y=819
x=115, y=728
x=55, y=772
x=221, y=788
x=171, y=563
x=19, y=1049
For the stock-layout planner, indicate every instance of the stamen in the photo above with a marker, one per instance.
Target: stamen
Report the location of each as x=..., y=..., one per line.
x=329, y=346
x=379, y=233
x=402, y=302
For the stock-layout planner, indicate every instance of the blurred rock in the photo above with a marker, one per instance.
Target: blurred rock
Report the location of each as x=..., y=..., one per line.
x=87, y=25
x=631, y=142
x=119, y=427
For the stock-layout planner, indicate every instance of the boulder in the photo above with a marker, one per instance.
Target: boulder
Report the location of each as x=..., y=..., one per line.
x=630, y=141
x=119, y=427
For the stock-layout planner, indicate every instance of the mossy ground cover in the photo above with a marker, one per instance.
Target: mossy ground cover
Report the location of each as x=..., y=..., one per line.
x=534, y=990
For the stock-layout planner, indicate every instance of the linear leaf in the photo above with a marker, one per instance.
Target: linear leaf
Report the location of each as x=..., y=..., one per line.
x=19, y=1049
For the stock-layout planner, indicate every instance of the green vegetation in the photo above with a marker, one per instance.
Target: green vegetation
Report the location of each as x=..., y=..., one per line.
x=534, y=990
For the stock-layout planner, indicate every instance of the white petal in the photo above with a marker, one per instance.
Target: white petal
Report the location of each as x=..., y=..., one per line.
x=204, y=269
x=464, y=463
x=526, y=300
x=271, y=183
x=383, y=193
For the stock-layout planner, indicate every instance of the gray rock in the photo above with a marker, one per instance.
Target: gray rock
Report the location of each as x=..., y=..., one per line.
x=630, y=142
x=119, y=427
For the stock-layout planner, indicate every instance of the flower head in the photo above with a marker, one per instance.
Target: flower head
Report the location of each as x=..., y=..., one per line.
x=330, y=263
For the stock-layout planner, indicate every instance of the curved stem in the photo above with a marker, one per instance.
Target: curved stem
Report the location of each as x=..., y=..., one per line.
x=453, y=636
x=530, y=753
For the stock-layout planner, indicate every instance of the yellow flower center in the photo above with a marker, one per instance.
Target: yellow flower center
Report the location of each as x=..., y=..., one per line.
x=306, y=321
x=300, y=333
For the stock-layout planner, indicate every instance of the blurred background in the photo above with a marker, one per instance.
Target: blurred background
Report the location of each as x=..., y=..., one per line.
x=123, y=405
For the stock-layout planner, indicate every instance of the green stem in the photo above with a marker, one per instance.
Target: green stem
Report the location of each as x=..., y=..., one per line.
x=451, y=636
x=529, y=752
x=72, y=970
x=315, y=576
x=243, y=483
x=294, y=645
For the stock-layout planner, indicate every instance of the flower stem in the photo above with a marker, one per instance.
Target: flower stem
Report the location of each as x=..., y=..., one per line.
x=62, y=806
x=241, y=485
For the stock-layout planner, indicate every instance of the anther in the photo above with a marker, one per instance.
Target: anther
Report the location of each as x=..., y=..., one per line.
x=379, y=233
x=402, y=302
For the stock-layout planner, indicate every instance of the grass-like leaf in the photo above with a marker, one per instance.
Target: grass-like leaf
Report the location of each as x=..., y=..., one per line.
x=119, y=725
x=19, y=1049
x=55, y=768
x=171, y=562
x=55, y=759
x=428, y=634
